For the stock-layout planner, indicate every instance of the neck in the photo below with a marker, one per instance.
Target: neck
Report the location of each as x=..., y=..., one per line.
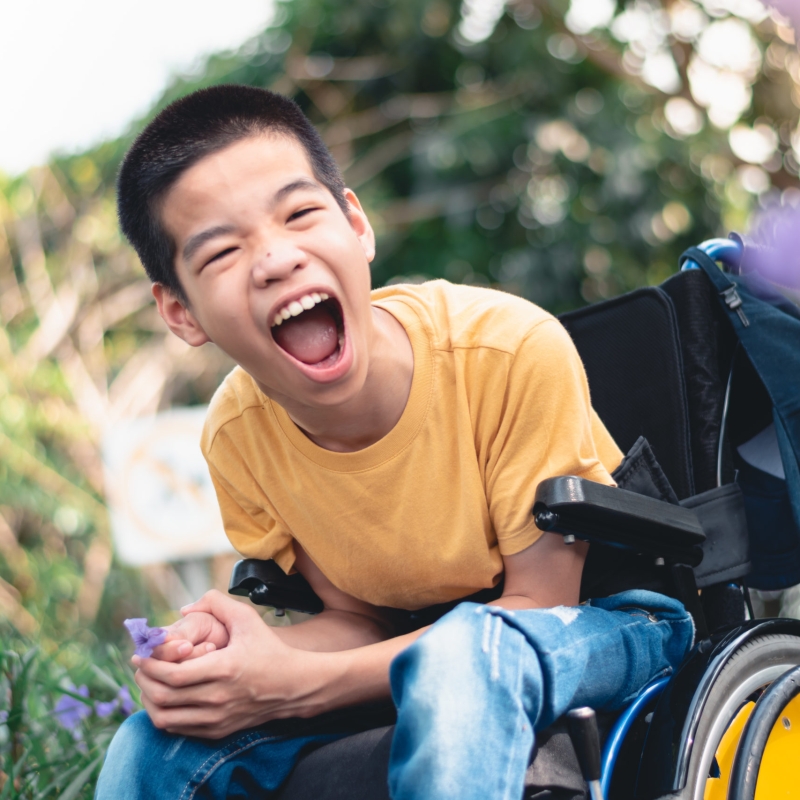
x=377, y=408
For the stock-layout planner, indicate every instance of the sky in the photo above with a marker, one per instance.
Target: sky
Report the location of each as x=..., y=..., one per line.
x=74, y=72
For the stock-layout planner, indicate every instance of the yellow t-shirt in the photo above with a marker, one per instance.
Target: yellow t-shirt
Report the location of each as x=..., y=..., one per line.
x=499, y=402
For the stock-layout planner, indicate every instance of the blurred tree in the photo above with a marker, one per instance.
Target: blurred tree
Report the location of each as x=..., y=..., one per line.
x=565, y=151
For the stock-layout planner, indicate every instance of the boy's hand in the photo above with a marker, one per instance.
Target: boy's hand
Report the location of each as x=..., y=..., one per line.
x=255, y=677
x=197, y=634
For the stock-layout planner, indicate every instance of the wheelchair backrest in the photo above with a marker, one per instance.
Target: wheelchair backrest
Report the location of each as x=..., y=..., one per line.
x=649, y=375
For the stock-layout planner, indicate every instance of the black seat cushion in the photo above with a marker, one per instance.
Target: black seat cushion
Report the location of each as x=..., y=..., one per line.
x=353, y=768
x=356, y=768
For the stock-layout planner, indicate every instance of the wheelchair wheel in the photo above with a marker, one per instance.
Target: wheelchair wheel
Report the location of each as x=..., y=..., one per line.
x=766, y=758
x=749, y=671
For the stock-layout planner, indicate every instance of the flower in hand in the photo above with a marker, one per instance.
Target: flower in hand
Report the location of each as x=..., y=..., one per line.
x=144, y=637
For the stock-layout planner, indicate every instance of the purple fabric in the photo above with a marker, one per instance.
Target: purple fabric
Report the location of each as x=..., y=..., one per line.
x=790, y=9
x=69, y=711
x=776, y=232
x=145, y=638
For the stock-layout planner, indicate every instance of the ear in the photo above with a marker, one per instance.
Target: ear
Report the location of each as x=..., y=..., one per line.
x=360, y=224
x=178, y=317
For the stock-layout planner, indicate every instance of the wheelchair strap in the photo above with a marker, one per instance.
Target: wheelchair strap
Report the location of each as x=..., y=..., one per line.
x=771, y=339
x=727, y=288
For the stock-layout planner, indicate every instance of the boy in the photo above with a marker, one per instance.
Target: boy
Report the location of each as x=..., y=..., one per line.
x=388, y=447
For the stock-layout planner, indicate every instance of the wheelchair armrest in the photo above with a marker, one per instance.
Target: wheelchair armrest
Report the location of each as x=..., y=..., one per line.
x=595, y=512
x=266, y=584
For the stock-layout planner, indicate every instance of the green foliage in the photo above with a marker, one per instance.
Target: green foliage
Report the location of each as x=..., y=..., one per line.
x=45, y=755
x=536, y=161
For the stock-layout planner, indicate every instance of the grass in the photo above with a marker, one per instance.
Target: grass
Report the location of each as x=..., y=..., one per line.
x=52, y=738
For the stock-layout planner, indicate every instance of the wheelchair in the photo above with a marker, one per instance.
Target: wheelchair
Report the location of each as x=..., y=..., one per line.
x=678, y=392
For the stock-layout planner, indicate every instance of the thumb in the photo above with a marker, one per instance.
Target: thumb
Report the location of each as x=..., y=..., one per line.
x=228, y=611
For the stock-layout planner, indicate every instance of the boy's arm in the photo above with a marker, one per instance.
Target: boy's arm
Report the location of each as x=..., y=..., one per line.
x=544, y=575
x=345, y=623
x=259, y=676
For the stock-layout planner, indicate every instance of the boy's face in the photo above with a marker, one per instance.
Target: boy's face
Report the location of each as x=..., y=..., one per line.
x=257, y=240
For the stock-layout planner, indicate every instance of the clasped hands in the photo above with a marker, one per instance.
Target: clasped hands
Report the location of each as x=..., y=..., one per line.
x=222, y=669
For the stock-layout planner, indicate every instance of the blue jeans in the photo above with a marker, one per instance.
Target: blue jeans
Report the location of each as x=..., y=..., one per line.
x=469, y=694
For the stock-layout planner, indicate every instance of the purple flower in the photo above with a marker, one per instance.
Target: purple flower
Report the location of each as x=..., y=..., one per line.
x=144, y=637
x=3, y=717
x=106, y=709
x=126, y=704
x=69, y=711
x=123, y=701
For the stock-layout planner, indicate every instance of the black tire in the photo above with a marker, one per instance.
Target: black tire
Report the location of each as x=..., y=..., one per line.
x=749, y=671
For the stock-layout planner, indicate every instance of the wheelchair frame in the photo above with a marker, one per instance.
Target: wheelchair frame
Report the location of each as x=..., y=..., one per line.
x=681, y=699
x=675, y=704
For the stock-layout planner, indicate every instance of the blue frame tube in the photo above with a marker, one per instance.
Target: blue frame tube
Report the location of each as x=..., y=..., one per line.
x=728, y=251
x=620, y=730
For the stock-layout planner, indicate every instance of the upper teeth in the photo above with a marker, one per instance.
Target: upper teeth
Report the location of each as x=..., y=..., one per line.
x=296, y=307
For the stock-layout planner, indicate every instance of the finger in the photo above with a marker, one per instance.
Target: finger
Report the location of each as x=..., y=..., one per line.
x=183, y=716
x=229, y=612
x=213, y=666
x=181, y=650
x=173, y=650
x=201, y=650
x=192, y=627
x=211, y=696
x=204, y=731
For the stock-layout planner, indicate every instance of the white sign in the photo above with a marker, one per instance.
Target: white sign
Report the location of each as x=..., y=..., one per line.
x=161, y=500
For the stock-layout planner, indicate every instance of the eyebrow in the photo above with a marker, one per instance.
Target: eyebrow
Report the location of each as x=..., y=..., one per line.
x=194, y=243
x=295, y=186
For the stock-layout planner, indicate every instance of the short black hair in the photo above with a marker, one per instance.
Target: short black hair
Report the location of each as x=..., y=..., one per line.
x=186, y=131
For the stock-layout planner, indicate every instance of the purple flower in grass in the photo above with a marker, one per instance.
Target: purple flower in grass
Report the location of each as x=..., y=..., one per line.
x=126, y=704
x=104, y=710
x=144, y=637
x=69, y=711
x=3, y=717
x=123, y=701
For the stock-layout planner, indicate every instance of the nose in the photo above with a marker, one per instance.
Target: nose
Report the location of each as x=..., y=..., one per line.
x=277, y=261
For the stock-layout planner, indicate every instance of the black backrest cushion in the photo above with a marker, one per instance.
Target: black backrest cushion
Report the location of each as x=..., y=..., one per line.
x=707, y=345
x=631, y=350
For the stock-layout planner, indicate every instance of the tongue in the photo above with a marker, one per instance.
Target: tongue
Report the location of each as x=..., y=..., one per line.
x=310, y=337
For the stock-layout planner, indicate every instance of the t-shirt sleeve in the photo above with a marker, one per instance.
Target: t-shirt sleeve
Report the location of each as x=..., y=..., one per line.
x=249, y=520
x=546, y=428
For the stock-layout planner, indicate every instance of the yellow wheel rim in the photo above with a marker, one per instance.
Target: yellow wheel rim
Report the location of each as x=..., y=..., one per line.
x=779, y=776
x=717, y=788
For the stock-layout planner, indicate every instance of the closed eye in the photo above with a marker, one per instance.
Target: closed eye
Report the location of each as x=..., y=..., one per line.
x=220, y=255
x=302, y=212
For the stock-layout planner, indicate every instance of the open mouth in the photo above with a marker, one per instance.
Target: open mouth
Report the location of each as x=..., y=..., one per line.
x=310, y=329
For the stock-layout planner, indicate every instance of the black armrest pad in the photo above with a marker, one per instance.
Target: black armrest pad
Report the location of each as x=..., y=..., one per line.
x=605, y=514
x=266, y=584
